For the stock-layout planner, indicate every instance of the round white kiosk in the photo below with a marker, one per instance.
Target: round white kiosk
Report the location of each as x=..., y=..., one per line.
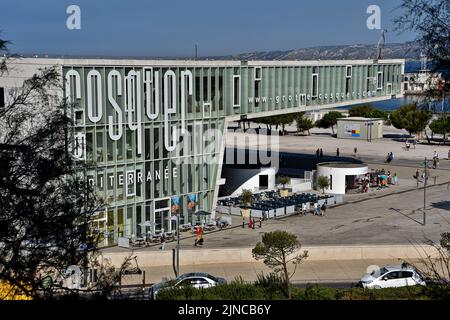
x=341, y=175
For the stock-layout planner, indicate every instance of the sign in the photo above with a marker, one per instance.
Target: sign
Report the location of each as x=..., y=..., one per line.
x=140, y=91
x=352, y=129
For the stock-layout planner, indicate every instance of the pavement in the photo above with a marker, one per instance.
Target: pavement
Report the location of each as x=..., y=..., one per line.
x=390, y=218
x=387, y=217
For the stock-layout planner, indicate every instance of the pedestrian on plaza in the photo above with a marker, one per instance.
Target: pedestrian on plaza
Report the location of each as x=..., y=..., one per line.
x=163, y=242
x=414, y=143
x=260, y=223
x=253, y=223
x=324, y=207
x=395, y=179
x=337, y=152
x=355, y=151
x=243, y=222
x=199, y=238
x=434, y=163
x=448, y=155
x=321, y=153
x=318, y=151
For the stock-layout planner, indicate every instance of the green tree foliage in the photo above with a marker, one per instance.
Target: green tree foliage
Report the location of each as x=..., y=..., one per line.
x=303, y=123
x=429, y=19
x=441, y=126
x=246, y=197
x=281, y=120
x=284, y=180
x=367, y=111
x=323, y=182
x=410, y=118
x=279, y=249
x=329, y=120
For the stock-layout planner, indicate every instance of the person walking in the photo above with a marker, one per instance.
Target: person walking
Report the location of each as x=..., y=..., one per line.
x=355, y=151
x=337, y=152
x=260, y=223
x=321, y=153
x=163, y=242
x=198, y=238
x=318, y=151
x=324, y=207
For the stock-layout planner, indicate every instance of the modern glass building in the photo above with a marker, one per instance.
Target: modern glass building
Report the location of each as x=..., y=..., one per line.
x=152, y=130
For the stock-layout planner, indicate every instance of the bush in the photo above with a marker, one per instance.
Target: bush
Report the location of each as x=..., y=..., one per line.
x=315, y=293
x=273, y=285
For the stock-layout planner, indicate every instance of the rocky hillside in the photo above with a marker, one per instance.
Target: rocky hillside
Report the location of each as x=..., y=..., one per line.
x=408, y=50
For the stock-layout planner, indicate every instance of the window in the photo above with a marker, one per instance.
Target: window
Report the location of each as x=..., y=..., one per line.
x=380, y=80
x=315, y=85
x=236, y=91
x=407, y=274
x=257, y=73
x=348, y=79
x=2, y=97
x=257, y=83
x=206, y=110
x=348, y=72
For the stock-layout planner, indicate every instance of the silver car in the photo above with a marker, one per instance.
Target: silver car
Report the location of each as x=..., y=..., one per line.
x=392, y=277
x=196, y=279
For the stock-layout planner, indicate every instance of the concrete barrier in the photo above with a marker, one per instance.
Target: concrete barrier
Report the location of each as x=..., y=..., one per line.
x=148, y=258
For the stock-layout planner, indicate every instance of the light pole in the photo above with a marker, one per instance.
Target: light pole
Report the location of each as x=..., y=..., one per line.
x=425, y=191
x=178, y=244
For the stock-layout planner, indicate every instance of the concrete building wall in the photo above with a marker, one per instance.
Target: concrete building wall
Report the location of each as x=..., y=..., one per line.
x=360, y=129
x=337, y=175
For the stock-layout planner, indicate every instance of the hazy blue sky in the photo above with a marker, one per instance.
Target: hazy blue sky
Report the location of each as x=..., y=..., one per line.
x=171, y=27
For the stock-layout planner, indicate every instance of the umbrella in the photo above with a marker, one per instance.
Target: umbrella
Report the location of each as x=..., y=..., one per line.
x=147, y=224
x=202, y=213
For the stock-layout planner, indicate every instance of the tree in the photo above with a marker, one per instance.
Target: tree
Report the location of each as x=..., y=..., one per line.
x=429, y=19
x=46, y=204
x=367, y=111
x=323, y=183
x=410, y=118
x=246, y=197
x=279, y=249
x=441, y=126
x=303, y=123
x=329, y=120
x=284, y=180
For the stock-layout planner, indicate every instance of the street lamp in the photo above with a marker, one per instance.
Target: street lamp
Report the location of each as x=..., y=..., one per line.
x=425, y=191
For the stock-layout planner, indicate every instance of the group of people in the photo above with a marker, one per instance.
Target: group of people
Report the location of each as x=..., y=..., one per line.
x=251, y=223
x=320, y=210
x=379, y=179
x=319, y=153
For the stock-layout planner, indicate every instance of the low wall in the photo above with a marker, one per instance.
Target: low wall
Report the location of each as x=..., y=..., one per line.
x=148, y=258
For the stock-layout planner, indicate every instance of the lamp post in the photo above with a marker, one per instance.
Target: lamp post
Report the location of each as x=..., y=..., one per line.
x=178, y=245
x=425, y=191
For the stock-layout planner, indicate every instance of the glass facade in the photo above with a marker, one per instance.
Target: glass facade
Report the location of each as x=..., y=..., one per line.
x=152, y=135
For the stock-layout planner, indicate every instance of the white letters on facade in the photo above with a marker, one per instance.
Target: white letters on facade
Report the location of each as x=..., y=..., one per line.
x=98, y=84
x=149, y=86
x=170, y=107
x=114, y=104
x=69, y=74
x=133, y=103
x=184, y=74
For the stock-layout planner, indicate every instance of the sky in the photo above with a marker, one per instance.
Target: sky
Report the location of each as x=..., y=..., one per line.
x=171, y=28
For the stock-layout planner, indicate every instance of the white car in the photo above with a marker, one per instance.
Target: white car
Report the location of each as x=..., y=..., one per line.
x=392, y=277
x=196, y=279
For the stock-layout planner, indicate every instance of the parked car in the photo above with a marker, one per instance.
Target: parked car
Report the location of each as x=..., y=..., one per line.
x=196, y=279
x=392, y=277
